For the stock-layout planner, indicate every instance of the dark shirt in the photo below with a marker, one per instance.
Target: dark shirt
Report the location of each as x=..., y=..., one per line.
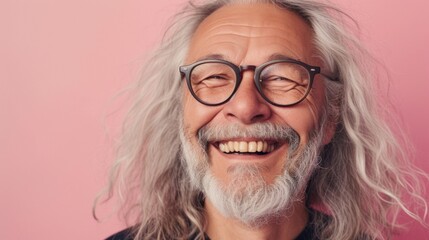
x=307, y=234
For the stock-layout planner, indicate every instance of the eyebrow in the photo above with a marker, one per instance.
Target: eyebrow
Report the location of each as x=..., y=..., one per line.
x=213, y=56
x=275, y=56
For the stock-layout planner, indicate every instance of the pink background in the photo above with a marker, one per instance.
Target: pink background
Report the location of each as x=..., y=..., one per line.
x=63, y=62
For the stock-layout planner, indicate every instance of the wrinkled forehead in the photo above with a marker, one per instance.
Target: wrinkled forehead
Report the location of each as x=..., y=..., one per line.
x=248, y=25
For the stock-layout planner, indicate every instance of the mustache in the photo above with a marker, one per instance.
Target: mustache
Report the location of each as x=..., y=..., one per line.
x=269, y=131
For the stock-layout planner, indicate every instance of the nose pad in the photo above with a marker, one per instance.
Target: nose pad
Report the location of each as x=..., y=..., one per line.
x=247, y=106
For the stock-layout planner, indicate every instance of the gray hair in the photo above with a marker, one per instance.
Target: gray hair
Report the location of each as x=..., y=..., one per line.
x=364, y=163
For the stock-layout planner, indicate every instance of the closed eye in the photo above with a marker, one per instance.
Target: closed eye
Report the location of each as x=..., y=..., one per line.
x=218, y=77
x=215, y=81
x=277, y=80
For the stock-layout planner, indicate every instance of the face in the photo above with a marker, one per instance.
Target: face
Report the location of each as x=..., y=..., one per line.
x=252, y=35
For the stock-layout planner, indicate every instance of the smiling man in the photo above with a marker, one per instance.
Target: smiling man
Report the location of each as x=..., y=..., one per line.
x=246, y=124
x=253, y=120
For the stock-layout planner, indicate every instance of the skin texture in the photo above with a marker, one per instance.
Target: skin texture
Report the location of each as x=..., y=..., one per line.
x=253, y=34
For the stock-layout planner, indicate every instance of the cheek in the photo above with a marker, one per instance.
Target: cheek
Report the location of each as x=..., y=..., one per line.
x=301, y=118
x=195, y=114
x=304, y=117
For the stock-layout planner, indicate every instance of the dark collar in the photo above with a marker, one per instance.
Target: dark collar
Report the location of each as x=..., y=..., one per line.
x=308, y=233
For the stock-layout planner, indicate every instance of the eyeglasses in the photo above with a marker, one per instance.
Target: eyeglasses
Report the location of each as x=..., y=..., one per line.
x=282, y=83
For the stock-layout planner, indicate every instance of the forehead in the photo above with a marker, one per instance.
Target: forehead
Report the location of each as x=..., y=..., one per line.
x=241, y=32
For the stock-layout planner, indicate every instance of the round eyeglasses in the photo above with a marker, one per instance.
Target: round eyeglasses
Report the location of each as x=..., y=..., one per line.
x=282, y=83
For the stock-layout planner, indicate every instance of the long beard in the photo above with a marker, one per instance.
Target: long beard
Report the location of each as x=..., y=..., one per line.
x=248, y=197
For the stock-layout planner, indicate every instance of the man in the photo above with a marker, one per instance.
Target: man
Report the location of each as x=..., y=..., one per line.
x=254, y=120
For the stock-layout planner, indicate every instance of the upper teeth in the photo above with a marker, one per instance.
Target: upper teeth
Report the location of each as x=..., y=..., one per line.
x=243, y=147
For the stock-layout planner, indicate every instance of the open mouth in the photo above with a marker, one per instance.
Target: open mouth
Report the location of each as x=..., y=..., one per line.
x=260, y=147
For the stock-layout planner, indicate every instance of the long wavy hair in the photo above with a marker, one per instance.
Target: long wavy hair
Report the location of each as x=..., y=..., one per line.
x=364, y=172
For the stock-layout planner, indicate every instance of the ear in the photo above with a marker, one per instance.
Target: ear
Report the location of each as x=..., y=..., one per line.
x=329, y=132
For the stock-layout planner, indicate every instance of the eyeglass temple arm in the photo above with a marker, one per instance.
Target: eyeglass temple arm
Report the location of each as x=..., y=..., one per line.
x=335, y=79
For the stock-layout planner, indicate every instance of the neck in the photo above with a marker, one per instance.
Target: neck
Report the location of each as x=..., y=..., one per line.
x=287, y=227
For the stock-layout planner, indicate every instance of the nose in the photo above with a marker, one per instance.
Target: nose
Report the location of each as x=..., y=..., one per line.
x=247, y=106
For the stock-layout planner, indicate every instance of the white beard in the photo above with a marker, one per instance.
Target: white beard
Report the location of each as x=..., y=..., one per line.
x=248, y=197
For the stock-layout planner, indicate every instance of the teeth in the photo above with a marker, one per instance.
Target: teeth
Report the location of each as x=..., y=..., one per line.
x=230, y=145
x=243, y=147
x=246, y=147
x=236, y=147
x=252, y=146
x=260, y=146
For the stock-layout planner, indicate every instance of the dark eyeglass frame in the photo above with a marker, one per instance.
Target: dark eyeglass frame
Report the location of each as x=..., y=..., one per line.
x=186, y=71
